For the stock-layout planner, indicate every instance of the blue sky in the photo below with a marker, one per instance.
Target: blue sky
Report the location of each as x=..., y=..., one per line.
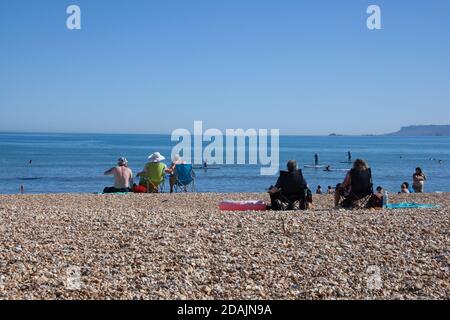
x=305, y=67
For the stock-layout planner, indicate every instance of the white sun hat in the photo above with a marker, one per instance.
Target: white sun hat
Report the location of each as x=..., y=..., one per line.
x=156, y=157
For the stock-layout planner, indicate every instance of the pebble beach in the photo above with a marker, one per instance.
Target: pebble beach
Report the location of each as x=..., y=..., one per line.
x=180, y=246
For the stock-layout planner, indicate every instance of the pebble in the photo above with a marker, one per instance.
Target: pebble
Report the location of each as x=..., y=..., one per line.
x=180, y=246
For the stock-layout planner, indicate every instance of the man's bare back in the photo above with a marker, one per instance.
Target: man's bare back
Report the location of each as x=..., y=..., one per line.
x=123, y=176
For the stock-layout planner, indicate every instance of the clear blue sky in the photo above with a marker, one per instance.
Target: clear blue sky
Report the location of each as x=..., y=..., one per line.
x=305, y=67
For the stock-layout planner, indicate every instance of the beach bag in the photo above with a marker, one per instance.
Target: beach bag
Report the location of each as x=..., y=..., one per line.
x=139, y=189
x=375, y=201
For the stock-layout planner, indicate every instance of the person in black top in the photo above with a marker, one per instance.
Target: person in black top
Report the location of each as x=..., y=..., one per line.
x=291, y=186
x=316, y=159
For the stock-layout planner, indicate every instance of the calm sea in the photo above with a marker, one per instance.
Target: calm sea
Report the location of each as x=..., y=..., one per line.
x=76, y=162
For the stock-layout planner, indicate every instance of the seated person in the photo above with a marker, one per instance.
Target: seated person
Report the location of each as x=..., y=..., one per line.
x=380, y=191
x=123, y=177
x=404, y=188
x=330, y=190
x=153, y=173
x=356, y=186
x=319, y=190
x=290, y=187
x=377, y=198
x=176, y=160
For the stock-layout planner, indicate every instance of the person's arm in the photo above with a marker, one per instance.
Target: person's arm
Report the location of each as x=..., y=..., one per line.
x=131, y=177
x=143, y=172
x=277, y=187
x=419, y=177
x=347, y=181
x=109, y=171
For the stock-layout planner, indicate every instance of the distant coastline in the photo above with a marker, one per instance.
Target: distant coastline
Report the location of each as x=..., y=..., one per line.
x=423, y=131
x=411, y=131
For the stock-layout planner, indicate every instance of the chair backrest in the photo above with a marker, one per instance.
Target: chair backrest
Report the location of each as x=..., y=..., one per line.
x=292, y=182
x=361, y=182
x=184, y=173
x=155, y=171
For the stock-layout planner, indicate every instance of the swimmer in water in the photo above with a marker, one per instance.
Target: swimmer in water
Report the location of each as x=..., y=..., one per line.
x=328, y=168
x=22, y=189
x=316, y=159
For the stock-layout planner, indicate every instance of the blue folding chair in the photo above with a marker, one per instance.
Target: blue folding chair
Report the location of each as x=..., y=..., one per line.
x=184, y=178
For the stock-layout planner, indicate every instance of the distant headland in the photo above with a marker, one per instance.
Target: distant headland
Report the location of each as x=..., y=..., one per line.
x=423, y=130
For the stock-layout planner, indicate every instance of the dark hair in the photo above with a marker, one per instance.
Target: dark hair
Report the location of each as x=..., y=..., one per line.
x=379, y=188
x=292, y=165
x=360, y=165
x=406, y=184
x=319, y=187
x=419, y=170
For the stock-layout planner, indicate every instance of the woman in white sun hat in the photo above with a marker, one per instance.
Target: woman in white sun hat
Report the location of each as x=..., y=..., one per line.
x=153, y=174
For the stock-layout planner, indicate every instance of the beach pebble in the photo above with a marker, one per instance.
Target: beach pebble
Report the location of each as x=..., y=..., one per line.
x=180, y=246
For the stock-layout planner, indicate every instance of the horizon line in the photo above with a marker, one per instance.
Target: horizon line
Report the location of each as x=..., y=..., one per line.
x=168, y=134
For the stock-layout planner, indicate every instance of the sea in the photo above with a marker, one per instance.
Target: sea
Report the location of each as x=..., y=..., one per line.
x=74, y=163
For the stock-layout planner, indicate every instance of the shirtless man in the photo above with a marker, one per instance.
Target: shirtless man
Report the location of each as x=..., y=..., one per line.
x=123, y=177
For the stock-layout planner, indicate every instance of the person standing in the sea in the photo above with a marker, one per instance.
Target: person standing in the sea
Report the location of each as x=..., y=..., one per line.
x=316, y=159
x=419, y=179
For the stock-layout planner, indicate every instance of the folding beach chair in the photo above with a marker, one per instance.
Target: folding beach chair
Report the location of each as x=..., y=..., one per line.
x=361, y=191
x=294, y=193
x=294, y=201
x=154, y=178
x=184, y=178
